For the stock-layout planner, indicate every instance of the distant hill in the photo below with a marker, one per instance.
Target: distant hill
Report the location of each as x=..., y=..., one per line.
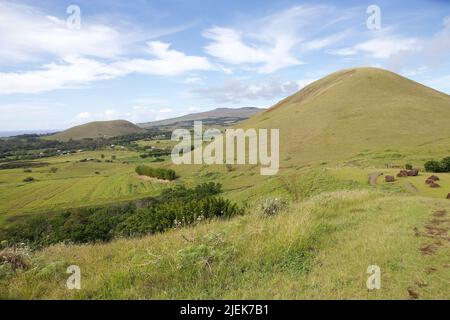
x=98, y=129
x=220, y=116
x=358, y=110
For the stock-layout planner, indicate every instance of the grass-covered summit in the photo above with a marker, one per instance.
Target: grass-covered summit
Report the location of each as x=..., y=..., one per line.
x=98, y=129
x=356, y=110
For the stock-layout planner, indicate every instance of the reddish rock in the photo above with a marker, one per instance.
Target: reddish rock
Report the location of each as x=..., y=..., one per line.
x=434, y=178
x=429, y=181
x=402, y=174
x=390, y=178
x=448, y=196
x=413, y=173
x=434, y=185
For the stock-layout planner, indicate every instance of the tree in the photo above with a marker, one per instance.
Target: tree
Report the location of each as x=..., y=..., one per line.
x=433, y=166
x=445, y=164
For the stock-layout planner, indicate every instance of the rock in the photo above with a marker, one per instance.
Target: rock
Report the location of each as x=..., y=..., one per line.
x=390, y=178
x=429, y=181
x=402, y=174
x=448, y=196
x=413, y=173
x=434, y=178
x=434, y=185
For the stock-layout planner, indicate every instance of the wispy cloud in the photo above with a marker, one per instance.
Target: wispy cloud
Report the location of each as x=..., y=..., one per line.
x=75, y=71
x=236, y=91
x=136, y=114
x=266, y=43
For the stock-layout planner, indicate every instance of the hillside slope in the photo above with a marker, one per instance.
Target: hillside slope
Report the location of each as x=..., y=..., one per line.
x=216, y=116
x=352, y=111
x=98, y=129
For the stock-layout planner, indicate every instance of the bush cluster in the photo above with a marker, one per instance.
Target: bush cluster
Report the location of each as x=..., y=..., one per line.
x=159, y=173
x=438, y=166
x=175, y=207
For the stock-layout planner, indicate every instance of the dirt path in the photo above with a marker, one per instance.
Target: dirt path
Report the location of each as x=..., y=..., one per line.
x=436, y=236
x=410, y=187
x=373, y=177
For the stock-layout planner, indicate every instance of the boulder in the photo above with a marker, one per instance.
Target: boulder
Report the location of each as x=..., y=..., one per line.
x=390, y=178
x=434, y=178
x=448, y=196
x=429, y=181
x=434, y=185
x=413, y=173
x=402, y=174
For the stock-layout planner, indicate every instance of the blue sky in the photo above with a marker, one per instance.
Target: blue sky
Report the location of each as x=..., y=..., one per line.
x=149, y=60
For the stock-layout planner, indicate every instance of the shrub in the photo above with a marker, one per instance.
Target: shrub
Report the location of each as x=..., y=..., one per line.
x=271, y=206
x=178, y=213
x=433, y=166
x=408, y=166
x=16, y=257
x=159, y=173
x=445, y=164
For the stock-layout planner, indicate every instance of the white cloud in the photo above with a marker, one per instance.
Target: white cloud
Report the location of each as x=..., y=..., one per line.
x=235, y=91
x=267, y=43
x=26, y=33
x=324, y=42
x=194, y=80
x=384, y=48
x=343, y=52
x=76, y=71
x=137, y=114
x=379, y=48
x=229, y=47
x=168, y=63
x=194, y=109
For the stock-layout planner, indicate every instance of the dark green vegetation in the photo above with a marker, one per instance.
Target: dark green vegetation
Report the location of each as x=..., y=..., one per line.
x=158, y=173
x=22, y=164
x=438, y=166
x=175, y=207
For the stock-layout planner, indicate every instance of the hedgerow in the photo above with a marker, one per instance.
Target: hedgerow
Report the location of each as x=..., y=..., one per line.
x=159, y=173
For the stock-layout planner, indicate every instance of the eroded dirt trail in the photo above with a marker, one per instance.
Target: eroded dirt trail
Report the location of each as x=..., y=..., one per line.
x=435, y=236
x=373, y=177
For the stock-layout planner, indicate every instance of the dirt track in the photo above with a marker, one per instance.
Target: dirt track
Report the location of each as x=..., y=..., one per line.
x=373, y=177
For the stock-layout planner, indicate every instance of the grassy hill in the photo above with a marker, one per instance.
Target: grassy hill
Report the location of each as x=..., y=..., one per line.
x=359, y=110
x=219, y=116
x=98, y=129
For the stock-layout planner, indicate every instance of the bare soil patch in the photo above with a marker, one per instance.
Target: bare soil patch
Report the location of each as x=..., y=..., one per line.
x=150, y=179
